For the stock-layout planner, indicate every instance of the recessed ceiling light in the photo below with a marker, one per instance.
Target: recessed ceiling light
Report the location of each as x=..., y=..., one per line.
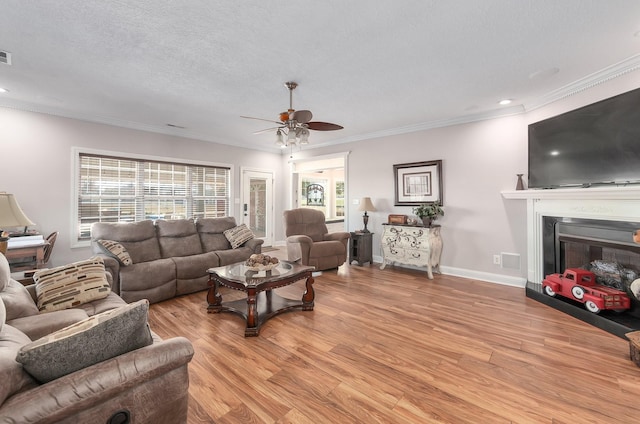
x=3, y=90
x=505, y=102
x=544, y=73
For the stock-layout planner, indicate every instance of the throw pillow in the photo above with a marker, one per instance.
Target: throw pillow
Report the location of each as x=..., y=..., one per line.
x=85, y=343
x=71, y=285
x=238, y=235
x=115, y=249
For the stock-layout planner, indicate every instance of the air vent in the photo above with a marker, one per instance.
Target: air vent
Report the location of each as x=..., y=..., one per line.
x=510, y=260
x=5, y=57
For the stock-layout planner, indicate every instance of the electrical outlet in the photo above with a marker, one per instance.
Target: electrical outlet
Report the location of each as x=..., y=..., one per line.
x=496, y=259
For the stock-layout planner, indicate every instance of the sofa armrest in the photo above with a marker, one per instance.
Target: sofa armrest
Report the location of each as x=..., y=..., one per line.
x=102, y=389
x=112, y=266
x=255, y=244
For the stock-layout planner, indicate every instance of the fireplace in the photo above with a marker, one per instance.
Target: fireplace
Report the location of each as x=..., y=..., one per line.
x=578, y=227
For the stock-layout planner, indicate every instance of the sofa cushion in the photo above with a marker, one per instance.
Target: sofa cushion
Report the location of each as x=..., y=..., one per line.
x=138, y=238
x=232, y=256
x=5, y=272
x=18, y=301
x=70, y=285
x=37, y=326
x=87, y=342
x=178, y=238
x=211, y=231
x=3, y=314
x=13, y=377
x=154, y=280
x=238, y=235
x=116, y=250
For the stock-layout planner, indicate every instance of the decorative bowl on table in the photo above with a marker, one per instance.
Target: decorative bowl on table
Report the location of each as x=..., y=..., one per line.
x=261, y=267
x=260, y=262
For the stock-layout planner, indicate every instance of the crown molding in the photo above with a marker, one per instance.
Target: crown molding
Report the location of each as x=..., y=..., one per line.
x=614, y=71
x=628, y=65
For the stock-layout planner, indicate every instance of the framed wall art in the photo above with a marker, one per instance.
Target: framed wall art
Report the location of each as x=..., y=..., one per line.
x=418, y=182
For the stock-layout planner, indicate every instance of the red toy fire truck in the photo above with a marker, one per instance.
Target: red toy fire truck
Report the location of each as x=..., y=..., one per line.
x=580, y=285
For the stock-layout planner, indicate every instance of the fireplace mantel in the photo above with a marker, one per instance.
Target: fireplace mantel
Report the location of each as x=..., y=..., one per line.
x=599, y=193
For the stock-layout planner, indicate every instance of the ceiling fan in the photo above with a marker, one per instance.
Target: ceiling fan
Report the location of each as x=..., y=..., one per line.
x=294, y=125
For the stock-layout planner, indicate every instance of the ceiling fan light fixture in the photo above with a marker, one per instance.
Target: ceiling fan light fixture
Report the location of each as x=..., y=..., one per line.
x=295, y=124
x=280, y=139
x=291, y=137
x=304, y=136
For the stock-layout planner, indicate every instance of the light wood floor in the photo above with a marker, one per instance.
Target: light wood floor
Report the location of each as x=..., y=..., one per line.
x=390, y=346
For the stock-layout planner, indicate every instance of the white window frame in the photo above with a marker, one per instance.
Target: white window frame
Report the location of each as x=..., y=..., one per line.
x=75, y=186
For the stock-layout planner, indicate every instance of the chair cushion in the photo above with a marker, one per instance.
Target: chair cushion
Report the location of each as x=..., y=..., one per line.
x=238, y=235
x=116, y=250
x=13, y=377
x=5, y=272
x=70, y=285
x=87, y=342
x=18, y=301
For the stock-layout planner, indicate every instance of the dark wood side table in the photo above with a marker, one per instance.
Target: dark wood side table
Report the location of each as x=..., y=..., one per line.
x=361, y=247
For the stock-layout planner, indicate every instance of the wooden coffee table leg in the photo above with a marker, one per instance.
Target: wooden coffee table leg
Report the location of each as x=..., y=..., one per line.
x=309, y=295
x=252, y=314
x=214, y=298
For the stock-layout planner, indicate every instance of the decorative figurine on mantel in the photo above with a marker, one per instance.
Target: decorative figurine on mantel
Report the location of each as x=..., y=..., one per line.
x=520, y=183
x=428, y=212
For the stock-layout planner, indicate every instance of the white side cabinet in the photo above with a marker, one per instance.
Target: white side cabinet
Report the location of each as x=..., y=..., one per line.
x=411, y=245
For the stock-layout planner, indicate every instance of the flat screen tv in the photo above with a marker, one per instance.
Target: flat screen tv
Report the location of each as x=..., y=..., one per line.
x=595, y=145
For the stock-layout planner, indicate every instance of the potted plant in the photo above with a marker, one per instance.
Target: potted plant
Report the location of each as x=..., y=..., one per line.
x=428, y=212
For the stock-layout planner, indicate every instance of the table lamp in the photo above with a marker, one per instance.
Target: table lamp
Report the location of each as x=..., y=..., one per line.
x=366, y=205
x=11, y=215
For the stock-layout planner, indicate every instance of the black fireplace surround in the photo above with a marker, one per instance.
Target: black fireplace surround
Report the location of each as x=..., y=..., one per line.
x=573, y=242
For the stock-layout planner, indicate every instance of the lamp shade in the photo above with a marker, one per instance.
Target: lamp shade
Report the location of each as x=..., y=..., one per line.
x=366, y=205
x=11, y=214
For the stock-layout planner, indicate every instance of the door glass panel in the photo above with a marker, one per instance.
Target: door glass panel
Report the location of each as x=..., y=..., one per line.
x=257, y=206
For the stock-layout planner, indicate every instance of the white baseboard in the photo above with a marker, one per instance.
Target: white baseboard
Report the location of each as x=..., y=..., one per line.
x=474, y=275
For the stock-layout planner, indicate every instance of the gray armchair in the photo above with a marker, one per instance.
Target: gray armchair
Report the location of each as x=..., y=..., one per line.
x=309, y=241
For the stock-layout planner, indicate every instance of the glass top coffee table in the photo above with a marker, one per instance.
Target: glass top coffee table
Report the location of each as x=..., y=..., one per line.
x=262, y=302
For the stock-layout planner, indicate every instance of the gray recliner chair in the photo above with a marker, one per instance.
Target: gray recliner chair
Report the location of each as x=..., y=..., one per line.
x=309, y=241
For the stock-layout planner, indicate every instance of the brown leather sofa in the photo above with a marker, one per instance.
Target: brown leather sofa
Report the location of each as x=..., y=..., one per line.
x=170, y=257
x=146, y=385
x=309, y=241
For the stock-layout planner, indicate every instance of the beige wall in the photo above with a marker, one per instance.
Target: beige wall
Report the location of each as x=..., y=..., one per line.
x=479, y=160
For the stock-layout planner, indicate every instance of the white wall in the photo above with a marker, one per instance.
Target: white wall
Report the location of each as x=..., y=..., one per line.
x=37, y=166
x=479, y=161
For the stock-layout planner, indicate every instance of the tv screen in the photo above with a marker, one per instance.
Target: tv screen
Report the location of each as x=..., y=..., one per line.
x=596, y=144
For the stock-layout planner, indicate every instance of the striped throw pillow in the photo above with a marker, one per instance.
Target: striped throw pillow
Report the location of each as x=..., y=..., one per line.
x=238, y=235
x=115, y=249
x=71, y=285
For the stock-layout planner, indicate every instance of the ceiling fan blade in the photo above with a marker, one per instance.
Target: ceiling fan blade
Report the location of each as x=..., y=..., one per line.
x=260, y=119
x=323, y=126
x=302, y=116
x=267, y=130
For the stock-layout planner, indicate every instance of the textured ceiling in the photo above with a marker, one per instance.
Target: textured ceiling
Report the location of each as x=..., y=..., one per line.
x=376, y=67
